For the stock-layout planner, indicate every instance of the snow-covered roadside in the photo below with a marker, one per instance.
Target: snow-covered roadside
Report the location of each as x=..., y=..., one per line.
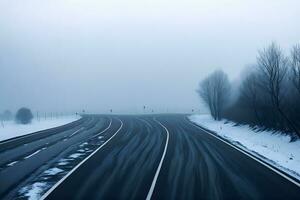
x=11, y=129
x=272, y=147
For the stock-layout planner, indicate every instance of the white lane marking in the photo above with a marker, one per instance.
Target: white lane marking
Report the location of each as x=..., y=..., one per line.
x=149, y=195
x=76, y=131
x=33, y=154
x=26, y=157
x=77, y=166
x=12, y=163
x=104, y=129
x=248, y=154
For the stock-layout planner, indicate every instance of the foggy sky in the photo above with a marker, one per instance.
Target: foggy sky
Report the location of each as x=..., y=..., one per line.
x=60, y=55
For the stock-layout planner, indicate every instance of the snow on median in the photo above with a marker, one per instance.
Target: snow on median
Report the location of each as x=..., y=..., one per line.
x=11, y=129
x=272, y=146
x=33, y=192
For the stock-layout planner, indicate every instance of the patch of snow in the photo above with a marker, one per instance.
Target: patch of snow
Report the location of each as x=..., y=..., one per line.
x=62, y=162
x=12, y=129
x=75, y=155
x=34, y=191
x=83, y=144
x=53, y=171
x=274, y=147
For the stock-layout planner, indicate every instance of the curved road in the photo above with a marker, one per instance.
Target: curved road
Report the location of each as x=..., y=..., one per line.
x=23, y=157
x=123, y=169
x=147, y=157
x=199, y=166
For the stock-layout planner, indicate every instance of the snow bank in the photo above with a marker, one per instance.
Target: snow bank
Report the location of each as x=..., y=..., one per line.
x=11, y=129
x=75, y=155
x=273, y=147
x=33, y=192
x=53, y=171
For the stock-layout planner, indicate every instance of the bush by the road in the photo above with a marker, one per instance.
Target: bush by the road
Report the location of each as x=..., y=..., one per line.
x=268, y=96
x=24, y=116
x=6, y=115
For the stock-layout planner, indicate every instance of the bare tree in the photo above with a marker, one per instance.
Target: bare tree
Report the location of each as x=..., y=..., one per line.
x=249, y=93
x=295, y=63
x=214, y=90
x=7, y=115
x=273, y=66
x=205, y=92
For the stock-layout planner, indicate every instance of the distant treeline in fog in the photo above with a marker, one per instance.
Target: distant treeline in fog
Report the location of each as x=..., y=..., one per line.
x=268, y=95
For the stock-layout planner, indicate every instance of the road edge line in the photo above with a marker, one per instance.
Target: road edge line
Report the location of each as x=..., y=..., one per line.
x=77, y=166
x=274, y=169
x=33, y=133
x=149, y=195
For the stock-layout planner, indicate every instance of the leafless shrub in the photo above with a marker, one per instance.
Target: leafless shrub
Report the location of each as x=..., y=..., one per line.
x=273, y=67
x=295, y=64
x=214, y=91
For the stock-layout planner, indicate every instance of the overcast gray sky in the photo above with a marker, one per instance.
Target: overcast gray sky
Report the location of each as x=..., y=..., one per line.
x=65, y=55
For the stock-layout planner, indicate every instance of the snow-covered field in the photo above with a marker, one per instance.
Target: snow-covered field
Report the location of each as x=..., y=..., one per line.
x=11, y=129
x=271, y=146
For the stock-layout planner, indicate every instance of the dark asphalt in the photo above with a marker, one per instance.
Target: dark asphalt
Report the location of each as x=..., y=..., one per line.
x=35, y=151
x=196, y=165
x=123, y=169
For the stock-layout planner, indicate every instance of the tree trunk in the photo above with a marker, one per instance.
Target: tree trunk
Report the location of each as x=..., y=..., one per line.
x=290, y=124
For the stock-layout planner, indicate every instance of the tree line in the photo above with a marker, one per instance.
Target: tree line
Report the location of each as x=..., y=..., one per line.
x=267, y=97
x=23, y=116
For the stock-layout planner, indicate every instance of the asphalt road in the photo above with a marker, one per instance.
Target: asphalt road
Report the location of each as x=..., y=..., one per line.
x=21, y=158
x=147, y=157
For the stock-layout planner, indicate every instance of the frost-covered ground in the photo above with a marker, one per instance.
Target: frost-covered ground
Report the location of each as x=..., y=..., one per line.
x=271, y=146
x=44, y=181
x=11, y=129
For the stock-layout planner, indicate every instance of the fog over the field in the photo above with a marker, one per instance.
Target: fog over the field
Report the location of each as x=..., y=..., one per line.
x=65, y=55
